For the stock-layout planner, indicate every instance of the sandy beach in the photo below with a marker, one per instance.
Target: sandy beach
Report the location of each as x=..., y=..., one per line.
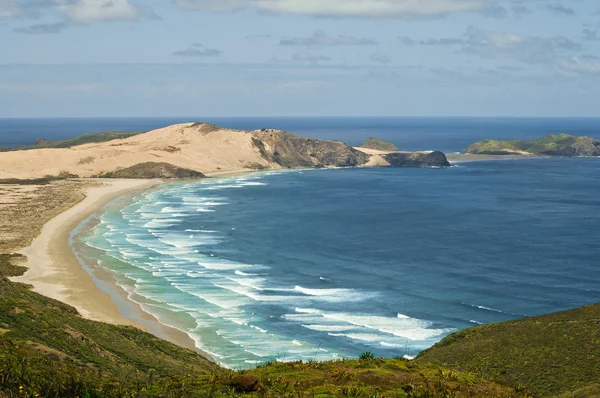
x=55, y=272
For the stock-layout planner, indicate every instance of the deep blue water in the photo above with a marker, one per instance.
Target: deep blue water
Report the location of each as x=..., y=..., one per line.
x=331, y=263
x=321, y=264
x=445, y=134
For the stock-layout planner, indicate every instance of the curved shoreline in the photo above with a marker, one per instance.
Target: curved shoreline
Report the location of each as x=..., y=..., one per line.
x=54, y=270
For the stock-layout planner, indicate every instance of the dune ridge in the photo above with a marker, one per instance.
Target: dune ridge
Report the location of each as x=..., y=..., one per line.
x=196, y=147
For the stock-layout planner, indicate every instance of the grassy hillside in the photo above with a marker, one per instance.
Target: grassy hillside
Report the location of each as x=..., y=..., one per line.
x=551, y=145
x=150, y=170
x=48, y=350
x=380, y=145
x=80, y=140
x=551, y=354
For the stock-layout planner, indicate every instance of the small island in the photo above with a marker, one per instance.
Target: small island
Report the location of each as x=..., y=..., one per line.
x=550, y=145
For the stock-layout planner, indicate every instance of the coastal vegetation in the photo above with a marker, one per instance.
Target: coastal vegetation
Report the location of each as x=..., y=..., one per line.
x=551, y=354
x=71, y=142
x=151, y=170
x=28, y=204
x=550, y=145
x=379, y=145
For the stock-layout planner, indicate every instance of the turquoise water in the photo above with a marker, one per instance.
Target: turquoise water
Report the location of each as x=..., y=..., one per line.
x=323, y=264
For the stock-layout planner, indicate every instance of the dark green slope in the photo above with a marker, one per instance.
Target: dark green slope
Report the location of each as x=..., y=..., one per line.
x=550, y=354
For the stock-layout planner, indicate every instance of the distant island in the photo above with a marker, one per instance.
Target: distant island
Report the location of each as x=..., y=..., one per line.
x=550, y=145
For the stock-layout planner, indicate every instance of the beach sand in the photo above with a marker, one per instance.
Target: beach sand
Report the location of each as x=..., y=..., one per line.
x=55, y=272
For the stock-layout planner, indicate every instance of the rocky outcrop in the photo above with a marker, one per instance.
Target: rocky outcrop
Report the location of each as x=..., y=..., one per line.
x=550, y=145
x=151, y=170
x=379, y=145
x=288, y=150
x=417, y=159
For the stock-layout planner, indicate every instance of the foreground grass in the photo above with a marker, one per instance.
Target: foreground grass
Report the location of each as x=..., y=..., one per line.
x=48, y=350
x=80, y=140
x=552, y=354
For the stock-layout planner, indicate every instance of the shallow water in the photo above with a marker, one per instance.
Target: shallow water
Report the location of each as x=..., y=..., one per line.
x=322, y=264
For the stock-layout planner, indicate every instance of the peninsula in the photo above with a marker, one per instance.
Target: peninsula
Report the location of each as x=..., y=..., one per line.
x=186, y=149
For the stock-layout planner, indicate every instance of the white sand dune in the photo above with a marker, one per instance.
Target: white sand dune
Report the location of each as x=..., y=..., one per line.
x=192, y=146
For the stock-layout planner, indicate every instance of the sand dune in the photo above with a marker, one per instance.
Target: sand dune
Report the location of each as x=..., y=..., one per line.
x=200, y=147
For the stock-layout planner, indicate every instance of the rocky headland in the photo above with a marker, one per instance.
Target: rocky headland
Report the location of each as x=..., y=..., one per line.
x=192, y=149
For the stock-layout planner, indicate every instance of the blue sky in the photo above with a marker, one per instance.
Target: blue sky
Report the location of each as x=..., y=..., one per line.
x=299, y=58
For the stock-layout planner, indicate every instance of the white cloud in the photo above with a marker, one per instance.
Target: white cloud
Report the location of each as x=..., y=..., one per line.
x=197, y=50
x=532, y=50
x=97, y=10
x=580, y=66
x=9, y=9
x=310, y=58
x=341, y=8
x=76, y=11
x=380, y=58
x=322, y=39
x=504, y=45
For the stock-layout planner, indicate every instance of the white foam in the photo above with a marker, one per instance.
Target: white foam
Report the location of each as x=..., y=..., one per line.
x=240, y=273
x=254, y=283
x=323, y=292
x=383, y=343
x=329, y=328
x=371, y=338
x=481, y=307
x=220, y=266
x=412, y=329
x=308, y=311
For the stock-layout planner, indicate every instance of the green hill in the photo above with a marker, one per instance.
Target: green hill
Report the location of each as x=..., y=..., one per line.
x=551, y=354
x=550, y=145
x=80, y=140
x=380, y=145
x=150, y=170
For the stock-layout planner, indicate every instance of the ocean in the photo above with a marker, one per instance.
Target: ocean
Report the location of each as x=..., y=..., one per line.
x=327, y=264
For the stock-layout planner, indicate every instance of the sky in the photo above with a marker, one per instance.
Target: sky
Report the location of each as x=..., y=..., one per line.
x=133, y=58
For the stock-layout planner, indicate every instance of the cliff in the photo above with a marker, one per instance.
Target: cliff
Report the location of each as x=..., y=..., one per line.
x=417, y=159
x=550, y=145
x=288, y=150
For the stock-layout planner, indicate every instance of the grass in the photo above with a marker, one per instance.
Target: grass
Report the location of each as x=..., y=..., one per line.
x=550, y=355
x=555, y=144
x=80, y=140
x=380, y=145
x=38, y=181
x=151, y=170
